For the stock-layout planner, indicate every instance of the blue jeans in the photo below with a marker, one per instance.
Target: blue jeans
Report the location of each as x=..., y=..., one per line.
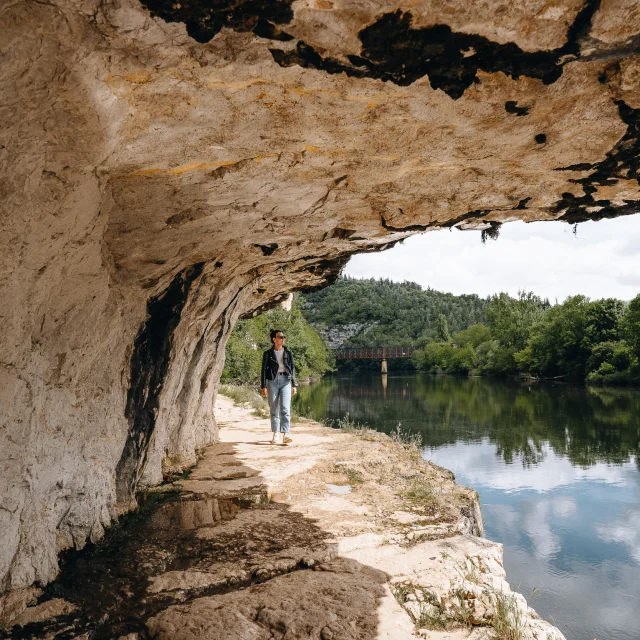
x=279, y=395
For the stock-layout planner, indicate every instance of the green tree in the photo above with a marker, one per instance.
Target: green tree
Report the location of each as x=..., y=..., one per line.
x=380, y=313
x=433, y=357
x=602, y=323
x=473, y=336
x=511, y=319
x=557, y=344
x=242, y=355
x=495, y=359
x=251, y=337
x=631, y=325
x=442, y=329
x=461, y=360
x=618, y=354
x=442, y=357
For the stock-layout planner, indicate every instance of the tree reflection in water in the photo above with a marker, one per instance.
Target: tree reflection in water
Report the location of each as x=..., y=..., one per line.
x=586, y=424
x=555, y=467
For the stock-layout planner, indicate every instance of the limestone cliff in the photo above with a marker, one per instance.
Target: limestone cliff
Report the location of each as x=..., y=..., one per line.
x=169, y=167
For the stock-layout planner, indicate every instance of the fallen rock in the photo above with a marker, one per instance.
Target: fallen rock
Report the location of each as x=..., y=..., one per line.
x=13, y=603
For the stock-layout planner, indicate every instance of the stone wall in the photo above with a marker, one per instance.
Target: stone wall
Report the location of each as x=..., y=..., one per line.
x=165, y=171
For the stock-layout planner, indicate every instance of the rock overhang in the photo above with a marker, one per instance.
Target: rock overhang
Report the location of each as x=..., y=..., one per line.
x=251, y=164
x=472, y=130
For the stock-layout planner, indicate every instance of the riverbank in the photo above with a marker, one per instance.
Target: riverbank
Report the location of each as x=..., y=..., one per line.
x=341, y=535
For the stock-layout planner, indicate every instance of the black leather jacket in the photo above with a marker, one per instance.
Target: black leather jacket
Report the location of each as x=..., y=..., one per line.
x=270, y=366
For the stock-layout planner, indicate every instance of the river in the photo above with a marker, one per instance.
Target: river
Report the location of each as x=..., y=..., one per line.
x=558, y=473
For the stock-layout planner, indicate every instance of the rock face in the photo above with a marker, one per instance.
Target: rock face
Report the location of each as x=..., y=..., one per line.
x=336, y=336
x=167, y=168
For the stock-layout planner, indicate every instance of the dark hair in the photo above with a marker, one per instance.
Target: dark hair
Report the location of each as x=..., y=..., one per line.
x=274, y=332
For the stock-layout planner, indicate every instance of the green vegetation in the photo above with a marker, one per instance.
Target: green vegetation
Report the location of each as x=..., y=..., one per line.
x=442, y=329
x=251, y=337
x=406, y=438
x=391, y=313
x=486, y=349
x=507, y=622
x=347, y=425
x=579, y=340
x=597, y=341
x=244, y=394
x=420, y=492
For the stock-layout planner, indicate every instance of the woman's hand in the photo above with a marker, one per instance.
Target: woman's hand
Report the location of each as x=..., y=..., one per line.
x=263, y=391
x=293, y=391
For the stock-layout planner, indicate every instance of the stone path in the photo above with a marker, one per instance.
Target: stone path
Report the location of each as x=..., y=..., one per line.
x=340, y=536
x=353, y=556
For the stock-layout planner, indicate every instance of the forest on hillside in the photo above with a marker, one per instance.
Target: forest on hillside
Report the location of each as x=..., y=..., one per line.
x=505, y=336
x=389, y=313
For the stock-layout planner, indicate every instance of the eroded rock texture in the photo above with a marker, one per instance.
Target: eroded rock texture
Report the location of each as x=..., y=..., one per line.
x=168, y=167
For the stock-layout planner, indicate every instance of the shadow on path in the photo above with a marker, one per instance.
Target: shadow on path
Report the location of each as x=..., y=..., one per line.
x=190, y=565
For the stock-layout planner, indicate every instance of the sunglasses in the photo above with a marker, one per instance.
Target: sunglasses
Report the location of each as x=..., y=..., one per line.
x=282, y=337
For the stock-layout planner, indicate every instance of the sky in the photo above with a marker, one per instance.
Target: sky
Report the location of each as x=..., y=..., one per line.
x=601, y=260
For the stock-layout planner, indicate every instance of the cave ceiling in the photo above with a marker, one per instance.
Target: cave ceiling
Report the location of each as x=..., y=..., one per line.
x=293, y=131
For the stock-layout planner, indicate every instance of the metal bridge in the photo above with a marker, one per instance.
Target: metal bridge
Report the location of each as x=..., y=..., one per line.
x=377, y=353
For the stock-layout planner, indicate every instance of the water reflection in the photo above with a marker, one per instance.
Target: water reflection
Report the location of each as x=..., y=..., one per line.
x=551, y=470
x=524, y=422
x=556, y=467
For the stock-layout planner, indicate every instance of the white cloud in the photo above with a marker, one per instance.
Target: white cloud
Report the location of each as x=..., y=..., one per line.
x=625, y=530
x=476, y=464
x=546, y=543
x=532, y=517
x=585, y=602
x=564, y=507
x=601, y=260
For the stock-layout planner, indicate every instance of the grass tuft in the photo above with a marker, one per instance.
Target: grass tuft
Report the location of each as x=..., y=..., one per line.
x=244, y=394
x=420, y=491
x=507, y=623
x=346, y=424
x=406, y=438
x=354, y=476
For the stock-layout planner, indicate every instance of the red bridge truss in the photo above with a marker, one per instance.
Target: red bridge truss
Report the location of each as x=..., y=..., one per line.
x=377, y=353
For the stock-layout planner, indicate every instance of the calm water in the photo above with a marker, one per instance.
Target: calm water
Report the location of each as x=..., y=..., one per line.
x=557, y=470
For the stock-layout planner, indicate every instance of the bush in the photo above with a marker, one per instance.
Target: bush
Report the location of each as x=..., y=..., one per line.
x=612, y=363
x=495, y=359
x=251, y=337
x=433, y=357
x=461, y=360
x=473, y=336
x=557, y=343
x=442, y=357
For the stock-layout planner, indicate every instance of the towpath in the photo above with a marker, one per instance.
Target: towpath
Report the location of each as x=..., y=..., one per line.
x=352, y=536
x=343, y=535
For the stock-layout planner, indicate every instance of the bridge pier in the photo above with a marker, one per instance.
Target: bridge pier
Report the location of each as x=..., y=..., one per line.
x=384, y=365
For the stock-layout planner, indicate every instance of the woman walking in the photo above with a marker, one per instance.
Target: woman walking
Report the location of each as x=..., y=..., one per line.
x=278, y=383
